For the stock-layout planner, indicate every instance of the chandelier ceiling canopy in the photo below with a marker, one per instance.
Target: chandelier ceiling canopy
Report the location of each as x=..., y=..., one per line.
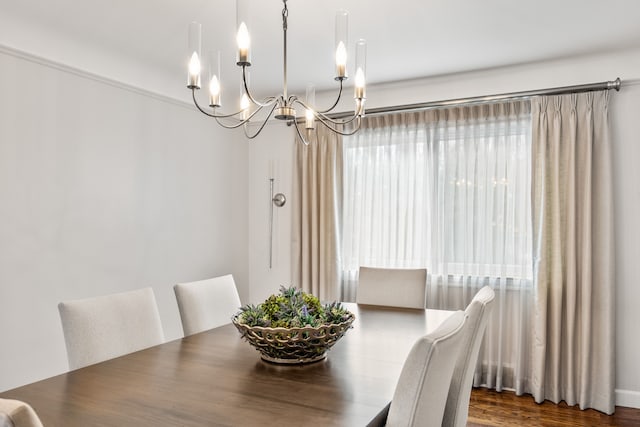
x=283, y=106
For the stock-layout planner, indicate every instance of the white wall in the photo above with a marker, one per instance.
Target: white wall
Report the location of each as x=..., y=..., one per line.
x=271, y=156
x=105, y=189
x=624, y=113
x=626, y=155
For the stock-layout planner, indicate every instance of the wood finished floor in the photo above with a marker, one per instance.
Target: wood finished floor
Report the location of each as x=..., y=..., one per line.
x=489, y=408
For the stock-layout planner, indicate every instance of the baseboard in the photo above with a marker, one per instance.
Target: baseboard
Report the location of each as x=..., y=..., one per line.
x=628, y=398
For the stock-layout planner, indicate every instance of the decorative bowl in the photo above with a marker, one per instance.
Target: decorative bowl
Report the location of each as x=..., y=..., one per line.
x=293, y=345
x=292, y=326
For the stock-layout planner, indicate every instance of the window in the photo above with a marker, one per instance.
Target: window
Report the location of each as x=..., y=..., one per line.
x=448, y=190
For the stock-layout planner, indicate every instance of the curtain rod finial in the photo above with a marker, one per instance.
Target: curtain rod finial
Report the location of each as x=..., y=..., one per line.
x=615, y=84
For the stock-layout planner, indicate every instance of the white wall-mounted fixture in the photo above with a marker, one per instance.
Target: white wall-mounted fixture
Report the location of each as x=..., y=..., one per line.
x=277, y=200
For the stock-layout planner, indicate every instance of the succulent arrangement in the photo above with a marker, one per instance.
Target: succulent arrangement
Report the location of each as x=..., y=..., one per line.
x=292, y=308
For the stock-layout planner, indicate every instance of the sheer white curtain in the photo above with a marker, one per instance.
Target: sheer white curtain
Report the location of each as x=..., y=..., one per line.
x=449, y=190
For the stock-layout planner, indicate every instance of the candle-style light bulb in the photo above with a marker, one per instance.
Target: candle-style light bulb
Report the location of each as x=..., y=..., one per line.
x=214, y=92
x=215, y=78
x=309, y=119
x=244, y=43
x=359, y=84
x=359, y=91
x=341, y=61
x=194, y=71
x=361, y=65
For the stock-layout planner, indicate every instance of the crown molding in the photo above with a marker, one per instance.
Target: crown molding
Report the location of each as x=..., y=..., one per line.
x=65, y=68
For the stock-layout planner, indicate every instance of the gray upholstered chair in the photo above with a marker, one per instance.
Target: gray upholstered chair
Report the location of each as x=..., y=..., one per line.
x=206, y=304
x=478, y=311
x=421, y=393
x=15, y=413
x=392, y=287
x=101, y=328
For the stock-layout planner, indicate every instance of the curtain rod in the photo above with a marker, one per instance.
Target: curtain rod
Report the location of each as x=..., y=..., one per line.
x=488, y=98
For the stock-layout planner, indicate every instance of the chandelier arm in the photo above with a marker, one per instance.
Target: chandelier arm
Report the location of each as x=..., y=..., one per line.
x=304, y=141
x=294, y=98
x=243, y=121
x=322, y=117
x=328, y=119
x=262, y=125
x=265, y=102
x=339, y=132
x=237, y=125
x=335, y=103
x=215, y=116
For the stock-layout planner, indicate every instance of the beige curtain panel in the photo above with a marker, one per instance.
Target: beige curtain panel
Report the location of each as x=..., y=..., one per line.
x=317, y=189
x=574, y=350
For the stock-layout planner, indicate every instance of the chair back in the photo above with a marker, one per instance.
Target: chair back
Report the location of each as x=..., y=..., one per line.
x=478, y=311
x=15, y=413
x=393, y=287
x=101, y=328
x=421, y=393
x=207, y=304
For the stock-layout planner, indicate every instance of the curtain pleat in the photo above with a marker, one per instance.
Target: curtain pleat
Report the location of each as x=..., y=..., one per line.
x=574, y=354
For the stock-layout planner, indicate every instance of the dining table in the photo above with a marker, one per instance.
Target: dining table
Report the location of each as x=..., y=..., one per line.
x=215, y=378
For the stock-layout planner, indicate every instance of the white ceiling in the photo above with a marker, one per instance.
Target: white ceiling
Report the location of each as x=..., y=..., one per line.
x=406, y=39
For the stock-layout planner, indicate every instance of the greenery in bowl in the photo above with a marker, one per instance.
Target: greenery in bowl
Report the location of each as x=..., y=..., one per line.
x=292, y=308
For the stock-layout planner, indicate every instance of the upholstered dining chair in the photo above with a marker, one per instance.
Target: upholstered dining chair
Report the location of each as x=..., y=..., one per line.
x=15, y=413
x=478, y=311
x=206, y=304
x=392, y=287
x=421, y=393
x=104, y=327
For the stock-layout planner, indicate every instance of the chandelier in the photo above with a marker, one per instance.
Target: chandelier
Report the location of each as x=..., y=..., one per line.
x=284, y=105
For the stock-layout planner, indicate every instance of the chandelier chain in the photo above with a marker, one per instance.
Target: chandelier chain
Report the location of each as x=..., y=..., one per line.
x=285, y=15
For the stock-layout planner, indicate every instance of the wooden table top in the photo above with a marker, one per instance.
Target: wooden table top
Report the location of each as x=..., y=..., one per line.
x=216, y=379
